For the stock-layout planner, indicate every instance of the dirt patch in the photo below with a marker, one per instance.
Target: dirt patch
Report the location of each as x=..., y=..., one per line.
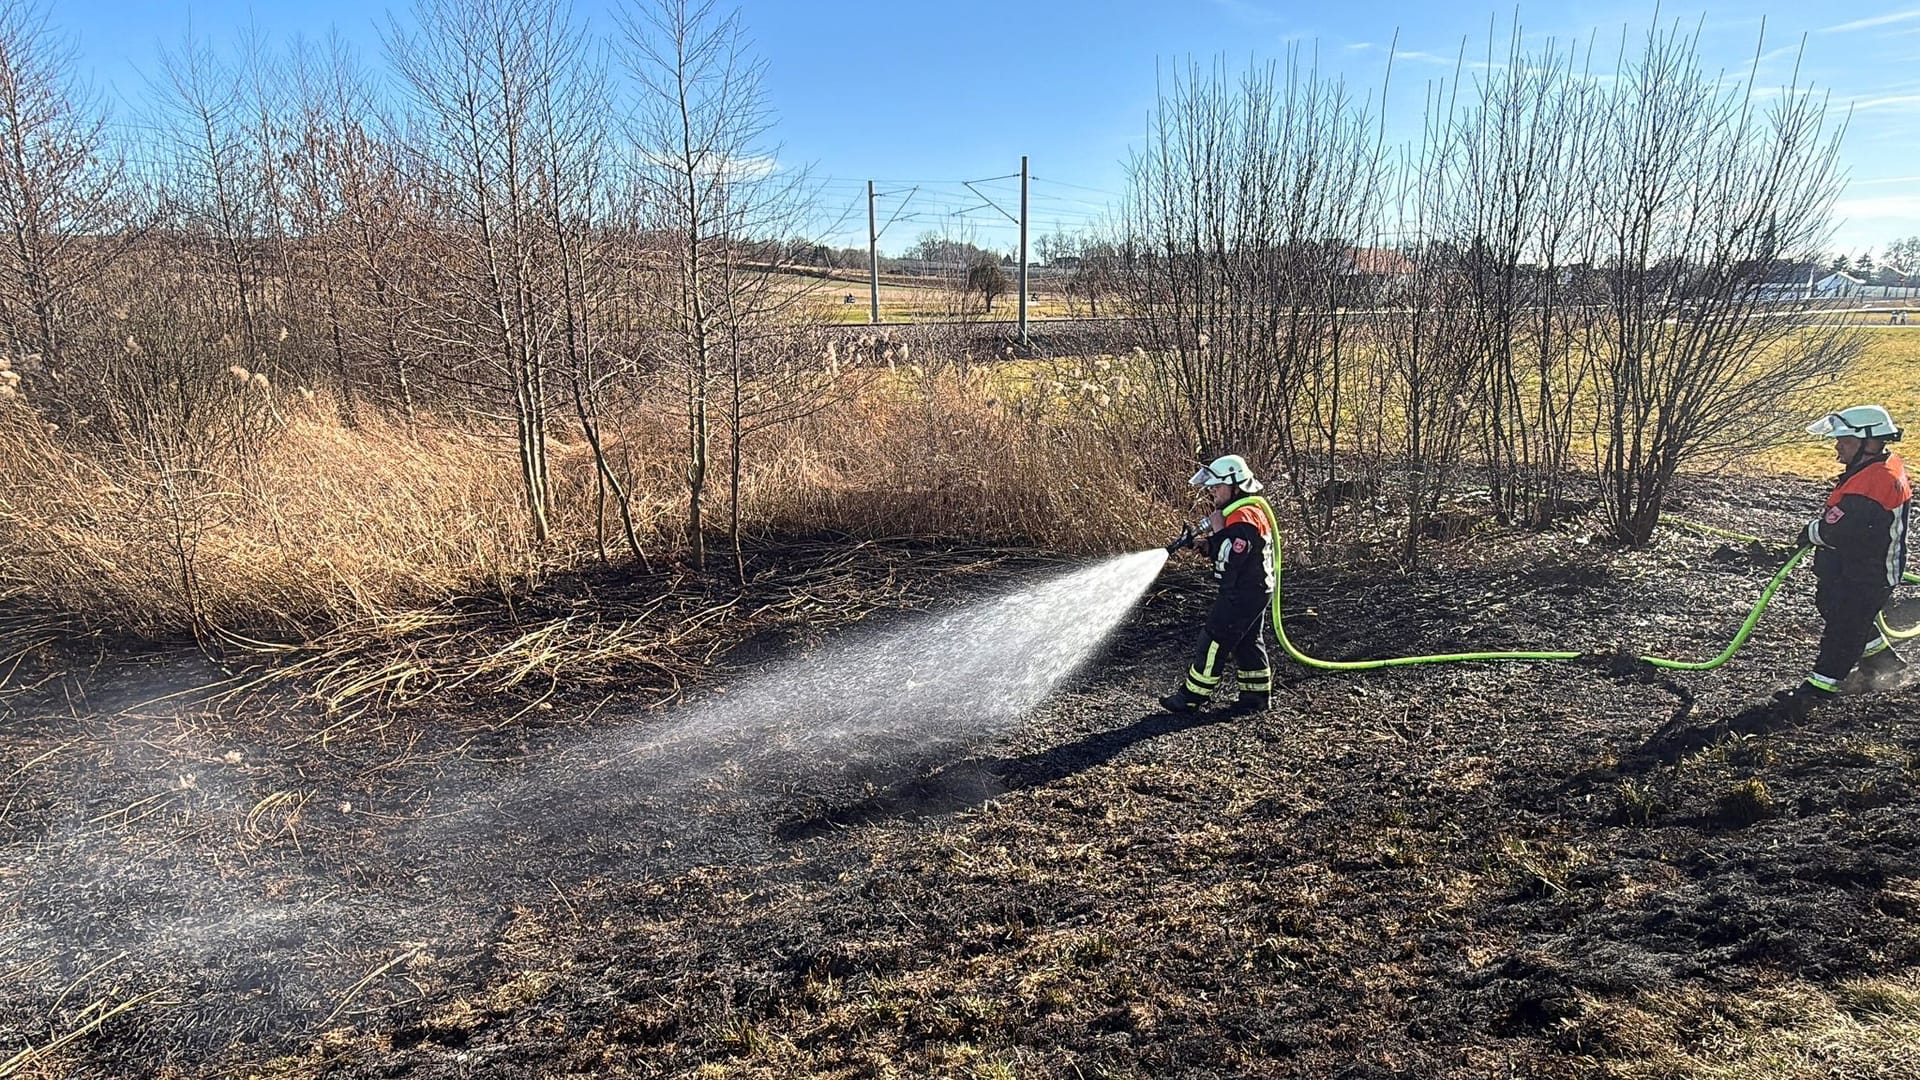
x=1456, y=871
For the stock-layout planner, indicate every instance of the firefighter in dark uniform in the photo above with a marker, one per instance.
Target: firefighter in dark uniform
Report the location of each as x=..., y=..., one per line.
x=1239, y=538
x=1860, y=551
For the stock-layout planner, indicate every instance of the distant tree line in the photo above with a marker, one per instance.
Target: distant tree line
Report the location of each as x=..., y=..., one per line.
x=1899, y=264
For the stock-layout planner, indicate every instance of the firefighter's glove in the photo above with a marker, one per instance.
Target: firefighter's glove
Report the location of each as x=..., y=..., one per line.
x=1185, y=540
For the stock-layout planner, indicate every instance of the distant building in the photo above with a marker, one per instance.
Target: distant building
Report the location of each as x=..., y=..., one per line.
x=1838, y=284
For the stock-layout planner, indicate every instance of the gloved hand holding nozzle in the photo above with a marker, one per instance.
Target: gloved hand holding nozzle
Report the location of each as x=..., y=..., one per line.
x=1190, y=535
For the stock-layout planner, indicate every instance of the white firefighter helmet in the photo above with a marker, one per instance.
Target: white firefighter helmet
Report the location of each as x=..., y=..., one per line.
x=1859, y=422
x=1230, y=469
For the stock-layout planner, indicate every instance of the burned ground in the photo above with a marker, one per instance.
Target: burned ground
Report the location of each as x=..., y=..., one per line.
x=1463, y=870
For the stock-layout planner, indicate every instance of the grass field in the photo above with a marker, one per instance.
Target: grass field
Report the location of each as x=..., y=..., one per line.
x=1888, y=374
x=915, y=299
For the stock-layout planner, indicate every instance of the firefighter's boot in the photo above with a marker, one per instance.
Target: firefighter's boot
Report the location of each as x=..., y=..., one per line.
x=1183, y=701
x=1250, y=703
x=1799, y=702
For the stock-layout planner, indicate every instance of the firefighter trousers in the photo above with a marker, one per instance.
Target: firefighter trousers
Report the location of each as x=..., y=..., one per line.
x=1848, y=611
x=1236, y=628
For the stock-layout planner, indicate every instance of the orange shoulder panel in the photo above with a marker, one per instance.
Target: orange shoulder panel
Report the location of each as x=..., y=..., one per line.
x=1885, y=483
x=1252, y=515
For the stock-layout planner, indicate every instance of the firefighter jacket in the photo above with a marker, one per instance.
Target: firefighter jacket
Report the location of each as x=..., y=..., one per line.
x=1242, y=551
x=1860, y=539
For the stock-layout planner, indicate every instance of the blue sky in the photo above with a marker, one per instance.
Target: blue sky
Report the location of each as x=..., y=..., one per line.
x=920, y=96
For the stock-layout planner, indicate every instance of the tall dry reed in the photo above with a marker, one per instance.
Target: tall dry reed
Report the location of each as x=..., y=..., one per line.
x=307, y=524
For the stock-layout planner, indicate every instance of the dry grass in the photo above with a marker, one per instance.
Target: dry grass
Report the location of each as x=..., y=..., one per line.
x=959, y=452
x=307, y=530
x=1867, y=1027
x=323, y=525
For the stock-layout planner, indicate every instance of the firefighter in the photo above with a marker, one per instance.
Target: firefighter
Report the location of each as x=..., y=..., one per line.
x=1239, y=538
x=1860, y=550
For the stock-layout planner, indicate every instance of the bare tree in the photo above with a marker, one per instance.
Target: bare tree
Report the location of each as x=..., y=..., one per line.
x=1708, y=191
x=1241, y=220
x=711, y=189
x=985, y=277
x=327, y=165
x=222, y=205
x=380, y=207
x=575, y=195
x=482, y=77
x=66, y=205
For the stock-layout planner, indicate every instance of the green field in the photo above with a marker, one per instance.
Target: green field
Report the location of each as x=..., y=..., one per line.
x=1888, y=374
x=906, y=298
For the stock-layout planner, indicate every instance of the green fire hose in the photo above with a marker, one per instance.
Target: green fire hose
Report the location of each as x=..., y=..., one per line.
x=1280, y=630
x=1746, y=628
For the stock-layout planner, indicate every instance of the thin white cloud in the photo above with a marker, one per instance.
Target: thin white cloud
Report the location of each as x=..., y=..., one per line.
x=1896, y=101
x=1880, y=207
x=1885, y=180
x=1867, y=24
x=1423, y=57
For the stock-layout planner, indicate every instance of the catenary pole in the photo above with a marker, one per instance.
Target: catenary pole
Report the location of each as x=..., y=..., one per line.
x=1023, y=250
x=873, y=260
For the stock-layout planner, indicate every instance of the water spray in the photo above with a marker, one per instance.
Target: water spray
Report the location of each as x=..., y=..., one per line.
x=906, y=691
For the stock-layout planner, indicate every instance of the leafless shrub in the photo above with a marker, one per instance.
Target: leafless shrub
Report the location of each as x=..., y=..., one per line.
x=1423, y=332
x=1710, y=192
x=1519, y=229
x=1242, y=219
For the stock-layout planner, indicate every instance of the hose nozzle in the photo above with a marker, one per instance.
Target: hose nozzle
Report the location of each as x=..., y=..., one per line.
x=1189, y=535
